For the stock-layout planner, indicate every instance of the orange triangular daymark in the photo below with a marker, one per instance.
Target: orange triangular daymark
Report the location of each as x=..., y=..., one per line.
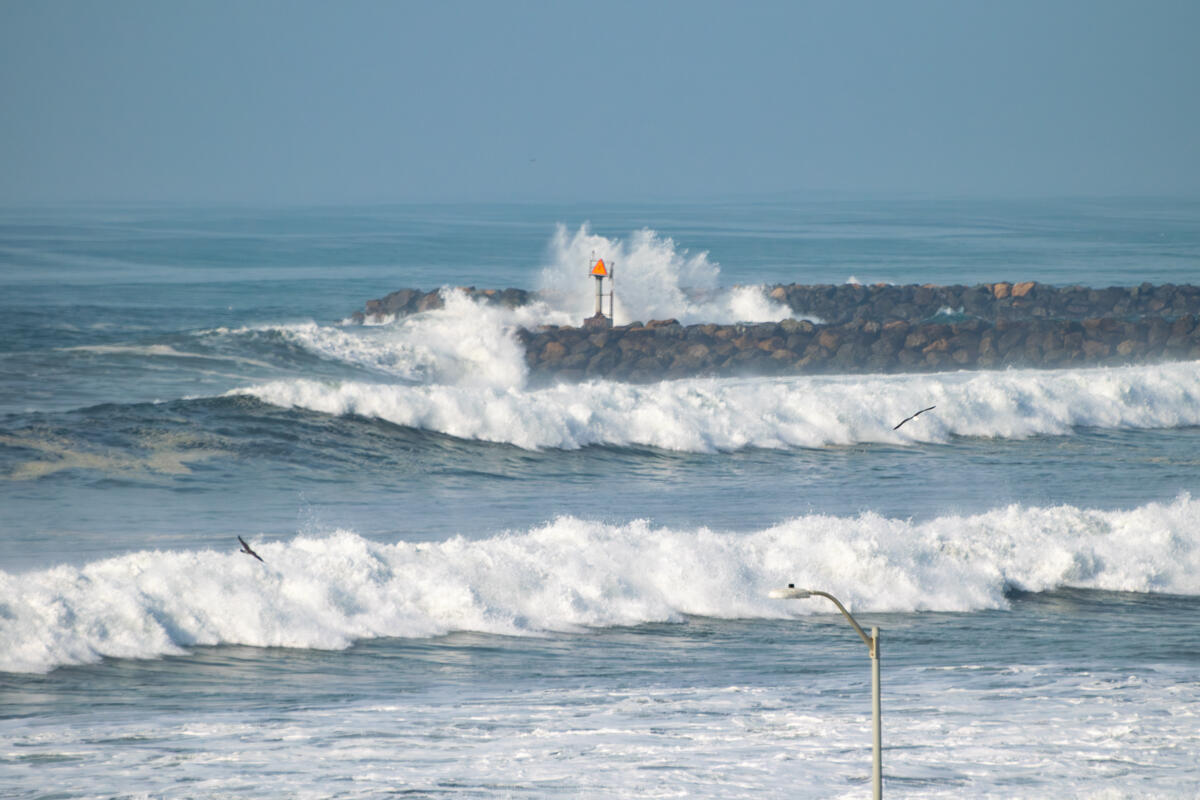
x=600, y=269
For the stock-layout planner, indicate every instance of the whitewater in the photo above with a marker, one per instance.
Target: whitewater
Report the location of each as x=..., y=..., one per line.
x=329, y=592
x=709, y=415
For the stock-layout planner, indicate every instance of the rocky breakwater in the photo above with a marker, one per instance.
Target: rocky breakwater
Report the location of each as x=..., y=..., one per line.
x=837, y=304
x=666, y=349
x=881, y=328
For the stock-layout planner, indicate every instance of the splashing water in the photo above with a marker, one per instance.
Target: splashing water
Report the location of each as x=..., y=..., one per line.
x=654, y=280
x=473, y=344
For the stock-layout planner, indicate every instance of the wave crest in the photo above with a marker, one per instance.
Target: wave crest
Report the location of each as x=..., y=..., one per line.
x=327, y=592
x=708, y=415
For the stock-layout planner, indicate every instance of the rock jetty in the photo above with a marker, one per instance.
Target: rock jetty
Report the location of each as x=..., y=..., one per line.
x=879, y=328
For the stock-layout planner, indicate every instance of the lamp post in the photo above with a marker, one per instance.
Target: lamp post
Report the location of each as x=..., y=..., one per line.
x=872, y=642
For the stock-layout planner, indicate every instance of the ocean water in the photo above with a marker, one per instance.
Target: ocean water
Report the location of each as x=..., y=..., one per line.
x=477, y=586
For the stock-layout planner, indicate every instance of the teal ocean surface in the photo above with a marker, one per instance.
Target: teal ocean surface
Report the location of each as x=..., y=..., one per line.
x=474, y=585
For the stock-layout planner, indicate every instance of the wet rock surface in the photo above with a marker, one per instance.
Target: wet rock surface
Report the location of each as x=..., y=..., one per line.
x=404, y=302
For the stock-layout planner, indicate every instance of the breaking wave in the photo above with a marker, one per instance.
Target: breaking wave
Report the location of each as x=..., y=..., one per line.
x=709, y=415
x=327, y=592
x=464, y=342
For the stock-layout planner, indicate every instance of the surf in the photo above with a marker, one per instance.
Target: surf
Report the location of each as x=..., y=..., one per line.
x=329, y=591
x=720, y=415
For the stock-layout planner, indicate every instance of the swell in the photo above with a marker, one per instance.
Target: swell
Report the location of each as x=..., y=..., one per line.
x=327, y=592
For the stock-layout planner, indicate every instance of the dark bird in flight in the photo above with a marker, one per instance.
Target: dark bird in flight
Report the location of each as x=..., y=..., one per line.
x=246, y=549
x=914, y=416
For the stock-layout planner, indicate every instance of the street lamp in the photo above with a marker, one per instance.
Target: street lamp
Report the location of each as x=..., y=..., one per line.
x=872, y=642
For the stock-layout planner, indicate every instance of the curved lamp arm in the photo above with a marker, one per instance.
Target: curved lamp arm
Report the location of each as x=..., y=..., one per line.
x=792, y=593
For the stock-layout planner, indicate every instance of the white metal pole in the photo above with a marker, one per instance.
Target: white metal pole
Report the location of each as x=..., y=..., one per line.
x=612, y=277
x=872, y=642
x=877, y=771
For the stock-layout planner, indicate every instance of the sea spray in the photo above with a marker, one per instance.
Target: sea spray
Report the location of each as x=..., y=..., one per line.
x=654, y=279
x=329, y=591
x=463, y=342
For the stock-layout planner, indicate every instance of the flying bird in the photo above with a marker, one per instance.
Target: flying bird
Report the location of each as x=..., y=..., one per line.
x=246, y=549
x=914, y=416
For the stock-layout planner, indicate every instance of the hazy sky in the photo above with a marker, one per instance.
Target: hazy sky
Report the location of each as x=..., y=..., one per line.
x=331, y=102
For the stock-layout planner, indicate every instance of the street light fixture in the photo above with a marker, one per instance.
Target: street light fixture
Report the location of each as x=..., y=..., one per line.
x=872, y=642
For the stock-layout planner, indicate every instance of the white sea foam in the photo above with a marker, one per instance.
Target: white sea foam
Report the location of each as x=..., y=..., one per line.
x=464, y=343
x=654, y=279
x=328, y=592
x=706, y=415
